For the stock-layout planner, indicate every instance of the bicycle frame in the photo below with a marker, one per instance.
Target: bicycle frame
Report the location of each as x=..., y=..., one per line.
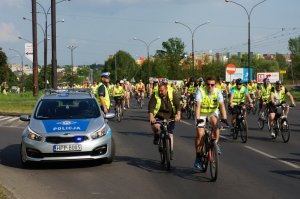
x=241, y=123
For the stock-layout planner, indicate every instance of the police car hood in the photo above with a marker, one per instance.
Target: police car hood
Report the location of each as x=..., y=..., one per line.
x=61, y=126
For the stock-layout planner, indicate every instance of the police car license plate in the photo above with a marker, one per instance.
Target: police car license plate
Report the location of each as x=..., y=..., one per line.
x=71, y=147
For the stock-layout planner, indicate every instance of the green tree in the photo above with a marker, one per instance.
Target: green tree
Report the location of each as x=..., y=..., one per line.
x=294, y=47
x=4, y=69
x=171, y=54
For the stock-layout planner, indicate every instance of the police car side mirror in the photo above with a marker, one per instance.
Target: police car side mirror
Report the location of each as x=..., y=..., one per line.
x=109, y=116
x=25, y=118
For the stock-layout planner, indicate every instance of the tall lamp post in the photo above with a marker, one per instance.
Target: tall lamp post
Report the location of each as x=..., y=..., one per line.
x=44, y=30
x=192, y=33
x=72, y=48
x=148, y=47
x=249, y=15
x=22, y=63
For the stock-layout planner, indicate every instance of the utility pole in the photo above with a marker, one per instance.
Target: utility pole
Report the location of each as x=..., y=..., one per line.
x=54, y=60
x=35, y=50
x=72, y=48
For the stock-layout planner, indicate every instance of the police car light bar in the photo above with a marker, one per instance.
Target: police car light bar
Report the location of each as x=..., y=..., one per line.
x=69, y=90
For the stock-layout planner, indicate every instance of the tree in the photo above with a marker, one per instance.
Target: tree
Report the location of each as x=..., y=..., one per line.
x=171, y=55
x=294, y=47
x=4, y=69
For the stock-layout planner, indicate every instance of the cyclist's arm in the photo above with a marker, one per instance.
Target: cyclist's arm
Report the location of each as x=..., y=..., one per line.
x=272, y=97
x=291, y=98
x=198, y=100
x=151, y=107
x=223, y=110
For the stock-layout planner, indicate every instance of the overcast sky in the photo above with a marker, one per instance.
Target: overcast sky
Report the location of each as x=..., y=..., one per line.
x=102, y=27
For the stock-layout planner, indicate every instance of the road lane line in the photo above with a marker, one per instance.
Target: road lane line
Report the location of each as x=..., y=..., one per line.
x=12, y=119
x=184, y=122
x=273, y=157
x=2, y=116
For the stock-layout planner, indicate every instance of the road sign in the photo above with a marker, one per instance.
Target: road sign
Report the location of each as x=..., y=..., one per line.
x=282, y=71
x=240, y=73
x=230, y=69
x=29, y=51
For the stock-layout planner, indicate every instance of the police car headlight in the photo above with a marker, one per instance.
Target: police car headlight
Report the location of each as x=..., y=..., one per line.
x=100, y=133
x=33, y=135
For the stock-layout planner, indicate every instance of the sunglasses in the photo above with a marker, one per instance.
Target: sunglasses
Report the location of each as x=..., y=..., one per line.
x=279, y=85
x=238, y=84
x=210, y=85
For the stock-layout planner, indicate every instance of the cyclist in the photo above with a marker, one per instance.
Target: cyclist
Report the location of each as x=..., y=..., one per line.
x=208, y=100
x=252, y=87
x=238, y=94
x=140, y=89
x=264, y=92
x=103, y=94
x=118, y=93
x=277, y=97
x=164, y=105
x=128, y=90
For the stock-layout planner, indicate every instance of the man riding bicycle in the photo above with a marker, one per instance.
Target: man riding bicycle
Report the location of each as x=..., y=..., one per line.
x=208, y=100
x=238, y=94
x=277, y=97
x=164, y=105
x=264, y=92
x=118, y=94
x=140, y=89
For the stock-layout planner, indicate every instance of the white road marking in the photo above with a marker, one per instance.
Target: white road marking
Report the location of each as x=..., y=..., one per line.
x=2, y=116
x=13, y=119
x=273, y=157
x=5, y=118
x=184, y=122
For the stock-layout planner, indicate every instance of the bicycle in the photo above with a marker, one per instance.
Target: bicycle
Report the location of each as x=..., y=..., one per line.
x=263, y=117
x=255, y=105
x=190, y=112
x=118, y=108
x=140, y=99
x=241, y=126
x=164, y=145
x=281, y=125
x=210, y=151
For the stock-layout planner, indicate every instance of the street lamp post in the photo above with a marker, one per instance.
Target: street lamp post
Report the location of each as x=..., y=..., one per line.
x=72, y=48
x=22, y=63
x=249, y=15
x=44, y=30
x=192, y=33
x=148, y=48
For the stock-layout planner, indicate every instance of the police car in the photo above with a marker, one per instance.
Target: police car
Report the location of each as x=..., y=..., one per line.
x=67, y=125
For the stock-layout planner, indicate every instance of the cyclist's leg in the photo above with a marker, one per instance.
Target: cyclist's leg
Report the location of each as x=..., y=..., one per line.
x=155, y=129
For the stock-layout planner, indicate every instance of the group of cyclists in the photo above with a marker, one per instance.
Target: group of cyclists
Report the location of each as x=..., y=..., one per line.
x=210, y=99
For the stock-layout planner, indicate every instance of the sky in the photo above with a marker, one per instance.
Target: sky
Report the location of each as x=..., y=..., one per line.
x=100, y=28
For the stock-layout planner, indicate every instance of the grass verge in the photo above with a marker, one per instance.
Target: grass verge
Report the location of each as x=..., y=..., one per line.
x=5, y=194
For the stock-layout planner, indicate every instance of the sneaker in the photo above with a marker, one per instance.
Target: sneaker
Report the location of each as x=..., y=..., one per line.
x=219, y=149
x=156, y=139
x=198, y=164
x=124, y=108
x=272, y=134
x=172, y=155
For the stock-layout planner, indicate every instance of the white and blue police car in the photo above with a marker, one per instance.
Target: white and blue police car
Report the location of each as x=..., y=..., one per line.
x=67, y=125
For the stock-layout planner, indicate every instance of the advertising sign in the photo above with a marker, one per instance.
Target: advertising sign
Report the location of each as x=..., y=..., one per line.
x=273, y=76
x=241, y=73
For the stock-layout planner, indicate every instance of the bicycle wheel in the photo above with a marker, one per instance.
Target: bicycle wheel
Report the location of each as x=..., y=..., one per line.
x=161, y=151
x=244, y=131
x=235, y=132
x=189, y=113
x=214, y=161
x=261, y=123
x=285, y=131
x=118, y=114
x=205, y=154
x=167, y=150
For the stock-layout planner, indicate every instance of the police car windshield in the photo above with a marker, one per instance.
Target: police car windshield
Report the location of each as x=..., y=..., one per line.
x=67, y=109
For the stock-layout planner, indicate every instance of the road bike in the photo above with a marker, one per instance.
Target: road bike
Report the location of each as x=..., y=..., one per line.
x=210, y=151
x=281, y=125
x=263, y=117
x=164, y=145
x=190, y=109
x=241, y=126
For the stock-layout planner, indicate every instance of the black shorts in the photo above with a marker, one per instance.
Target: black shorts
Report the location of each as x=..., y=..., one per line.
x=235, y=110
x=171, y=125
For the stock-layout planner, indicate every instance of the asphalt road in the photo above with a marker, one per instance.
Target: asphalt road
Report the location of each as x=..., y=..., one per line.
x=261, y=168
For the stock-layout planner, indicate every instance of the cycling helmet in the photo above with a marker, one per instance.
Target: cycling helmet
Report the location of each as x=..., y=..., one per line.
x=238, y=81
x=121, y=81
x=278, y=82
x=266, y=80
x=200, y=79
x=155, y=80
x=164, y=81
x=105, y=75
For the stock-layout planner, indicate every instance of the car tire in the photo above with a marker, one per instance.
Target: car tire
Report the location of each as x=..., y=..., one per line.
x=110, y=159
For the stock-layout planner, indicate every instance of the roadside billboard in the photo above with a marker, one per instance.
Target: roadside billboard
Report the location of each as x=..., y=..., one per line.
x=273, y=77
x=239, y=73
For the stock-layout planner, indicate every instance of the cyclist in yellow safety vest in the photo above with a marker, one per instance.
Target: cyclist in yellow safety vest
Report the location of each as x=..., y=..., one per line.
x=118, y=93
x=208, y=100
x=277, y=97
x=264, y=92
x=103, y=94
x=164, y=104
x=94, y=88
x=238, y=95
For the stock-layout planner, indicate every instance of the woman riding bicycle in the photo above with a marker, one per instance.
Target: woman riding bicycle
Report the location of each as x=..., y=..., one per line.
x=118, y=93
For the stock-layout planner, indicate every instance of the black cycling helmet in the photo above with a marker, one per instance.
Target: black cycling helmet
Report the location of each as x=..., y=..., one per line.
x=278, y=82
x=238, y=81
x=118, y=82
x=266, y=80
